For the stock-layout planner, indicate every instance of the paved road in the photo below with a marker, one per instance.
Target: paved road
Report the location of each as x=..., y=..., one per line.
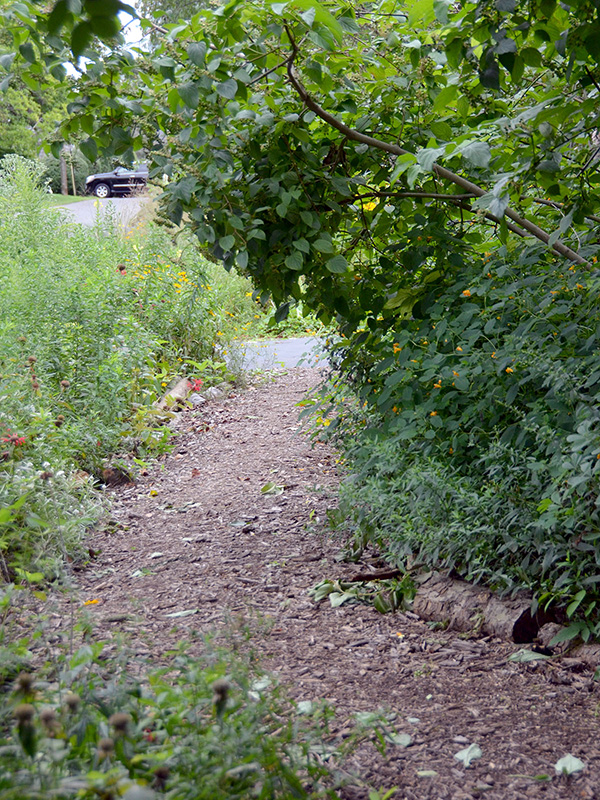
x=124, y=209
x=272, y=353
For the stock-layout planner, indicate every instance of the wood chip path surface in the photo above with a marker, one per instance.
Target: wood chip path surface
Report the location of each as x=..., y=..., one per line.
x=197, y=539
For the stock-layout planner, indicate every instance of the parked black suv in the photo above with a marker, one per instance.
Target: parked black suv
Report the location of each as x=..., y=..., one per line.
x=120, y=181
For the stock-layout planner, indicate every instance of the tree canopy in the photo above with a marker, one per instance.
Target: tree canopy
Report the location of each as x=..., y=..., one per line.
x=310, y=143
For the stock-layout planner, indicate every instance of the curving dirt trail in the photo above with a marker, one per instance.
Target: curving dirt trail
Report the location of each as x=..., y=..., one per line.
x=195, y=546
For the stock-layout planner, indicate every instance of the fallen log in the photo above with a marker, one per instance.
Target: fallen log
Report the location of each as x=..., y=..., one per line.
x=468, y=608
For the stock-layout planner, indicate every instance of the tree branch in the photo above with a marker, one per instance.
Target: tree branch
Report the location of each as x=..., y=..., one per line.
x=558, y=247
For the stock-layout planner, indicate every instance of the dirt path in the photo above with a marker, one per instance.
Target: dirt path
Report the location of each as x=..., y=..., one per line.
x=194, y=546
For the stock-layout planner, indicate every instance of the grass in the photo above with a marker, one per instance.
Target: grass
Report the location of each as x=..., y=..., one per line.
x=64, y=199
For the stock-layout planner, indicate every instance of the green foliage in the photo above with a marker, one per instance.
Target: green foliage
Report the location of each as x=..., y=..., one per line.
x=93, y=328
x=208, y=727
x=481, y=449
x=334, y=153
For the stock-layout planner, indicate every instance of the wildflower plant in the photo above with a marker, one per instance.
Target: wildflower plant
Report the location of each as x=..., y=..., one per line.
x=207, y=727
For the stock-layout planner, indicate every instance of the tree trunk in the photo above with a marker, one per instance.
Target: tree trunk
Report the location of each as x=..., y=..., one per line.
x=64, y=183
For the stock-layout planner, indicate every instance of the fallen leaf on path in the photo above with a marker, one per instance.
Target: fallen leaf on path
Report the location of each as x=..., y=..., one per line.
x=469, y=754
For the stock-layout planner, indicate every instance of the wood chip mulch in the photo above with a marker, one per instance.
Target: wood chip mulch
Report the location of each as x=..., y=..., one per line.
x=197, y=535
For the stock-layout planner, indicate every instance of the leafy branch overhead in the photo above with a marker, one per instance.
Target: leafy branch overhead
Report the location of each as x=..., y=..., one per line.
x=352, y=146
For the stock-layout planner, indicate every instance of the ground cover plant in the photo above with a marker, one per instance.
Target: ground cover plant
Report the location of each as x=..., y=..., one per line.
x=208, y=727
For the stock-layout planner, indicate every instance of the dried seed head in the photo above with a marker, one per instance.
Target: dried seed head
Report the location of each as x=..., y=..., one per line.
x=21, y=338
x=160, y=777
x=31, y=360
x=24, y=682
x=48, y=718
x=24, y=713
x=45, y=476
x=72, y=702
x=120, y=721
x=106, y=747
x=221, y=689
x=59, y=420
x=35, y=385
x=65, y=384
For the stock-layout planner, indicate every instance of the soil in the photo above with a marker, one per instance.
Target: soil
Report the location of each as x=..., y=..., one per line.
x=196, y=537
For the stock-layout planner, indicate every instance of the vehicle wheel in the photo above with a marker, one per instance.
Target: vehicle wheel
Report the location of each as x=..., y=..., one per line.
x=102, y=190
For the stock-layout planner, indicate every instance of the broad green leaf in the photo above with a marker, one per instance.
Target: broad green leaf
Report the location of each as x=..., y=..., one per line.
x=197, y=53
x=294, y=260
x=227, y=242
x=524, y=656
x=441, y=130
x=323, y=245
x=429, y=155
x=337, y=265
x=322, y=17
x=190, y=94
x=89, y=149
x=227, y=88
x=446, y=96
x=478, y=153
x=301, y=244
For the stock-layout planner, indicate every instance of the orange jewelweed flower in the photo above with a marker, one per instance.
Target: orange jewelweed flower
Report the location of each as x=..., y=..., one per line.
x=459, y=349
x=466, y=293
x=509, y=369
x=433, y=414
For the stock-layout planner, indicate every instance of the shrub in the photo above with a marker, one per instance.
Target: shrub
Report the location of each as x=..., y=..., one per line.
x=482, y=448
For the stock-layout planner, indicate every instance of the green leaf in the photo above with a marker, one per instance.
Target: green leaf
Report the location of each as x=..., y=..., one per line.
x=469, y=754
x=294, y=261
x=196, y=53
x=271, y=489
x=524, y=656
x=446, y=96
x=227, y=89
x=337, y=265
x=89, y=148
x=566, y=634
x=478, y=153
x=302, y=244
x=80, y=38
x=441, y=130
x=227, y=242
x=27, y=52
x=323, y=245
x=322, y=17
x=190, y=94
x=576, y=602
x=428, y=156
